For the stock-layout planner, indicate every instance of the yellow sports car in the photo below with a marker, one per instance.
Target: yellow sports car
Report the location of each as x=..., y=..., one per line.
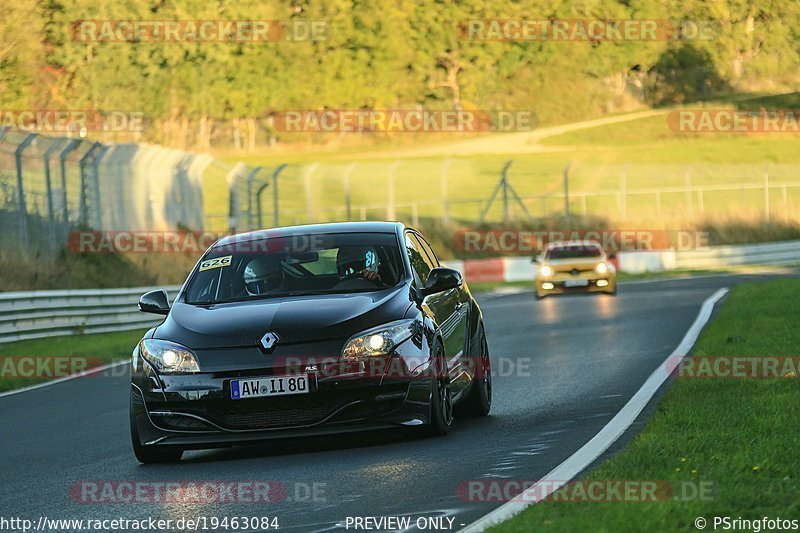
x=582, y=266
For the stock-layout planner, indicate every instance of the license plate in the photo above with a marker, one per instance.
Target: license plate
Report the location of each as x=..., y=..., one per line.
x=576, y=283
x=268, y=386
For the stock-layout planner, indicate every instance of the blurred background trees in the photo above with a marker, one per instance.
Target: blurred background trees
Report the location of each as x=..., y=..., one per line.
x=383, y=54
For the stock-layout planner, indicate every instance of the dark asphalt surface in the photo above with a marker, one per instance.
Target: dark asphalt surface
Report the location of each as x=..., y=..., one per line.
x=563, y=368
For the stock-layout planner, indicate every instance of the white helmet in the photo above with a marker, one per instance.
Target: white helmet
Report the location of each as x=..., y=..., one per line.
x=263, y=274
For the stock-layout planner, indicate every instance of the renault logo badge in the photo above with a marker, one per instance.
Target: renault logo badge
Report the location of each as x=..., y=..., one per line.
x=269, y=340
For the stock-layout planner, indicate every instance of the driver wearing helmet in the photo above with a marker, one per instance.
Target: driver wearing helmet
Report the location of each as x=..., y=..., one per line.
x=263, y=274
x=358, y=262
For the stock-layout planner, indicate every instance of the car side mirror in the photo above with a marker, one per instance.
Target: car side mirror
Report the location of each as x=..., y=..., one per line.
x=442, y=279
x=612, y=256
x=154, y=302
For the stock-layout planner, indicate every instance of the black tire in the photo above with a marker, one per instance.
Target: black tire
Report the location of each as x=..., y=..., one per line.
x=441, y=400
x=479, y=399
x=152, y=454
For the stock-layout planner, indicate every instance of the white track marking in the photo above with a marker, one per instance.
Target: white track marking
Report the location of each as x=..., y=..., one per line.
x=590, y=451
x=66, y=378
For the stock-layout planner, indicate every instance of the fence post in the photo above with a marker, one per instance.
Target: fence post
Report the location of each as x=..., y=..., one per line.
x=391, y=212
x=84, y=217
x=47, y=181
x=63, y=165
x=274, y=197
x=567, y=170
x=346, y=184
x=232, y=180
x=766, y=195
x=21, y=207
x=51, y=214
x=250, y=176
x=688, y=176
x=309, y=191
x=445, y=205
x=97, y=208
x=785, y=204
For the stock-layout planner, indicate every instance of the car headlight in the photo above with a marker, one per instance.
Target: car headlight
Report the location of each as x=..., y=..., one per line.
x=601, y=268
x=168, y=357
x=545, y=271
x=380, y=340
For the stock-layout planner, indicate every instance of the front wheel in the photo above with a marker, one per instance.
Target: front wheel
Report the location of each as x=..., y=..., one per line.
x=152, y=454
x=479, y=400
x=441, y=401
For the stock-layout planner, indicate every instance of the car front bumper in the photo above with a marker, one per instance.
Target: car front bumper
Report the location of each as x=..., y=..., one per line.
x=196, y=410
x=560, y=283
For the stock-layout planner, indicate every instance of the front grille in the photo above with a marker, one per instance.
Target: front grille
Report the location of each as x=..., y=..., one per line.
x=265, y=413
x=348, y=402
x=573, y=271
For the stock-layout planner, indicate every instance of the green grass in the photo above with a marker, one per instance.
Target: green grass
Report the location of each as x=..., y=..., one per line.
x=646, y=150
x=93, y=349
x=738, y=434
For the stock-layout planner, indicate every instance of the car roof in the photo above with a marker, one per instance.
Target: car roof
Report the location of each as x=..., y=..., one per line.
x=573, y=244
x=313, y=229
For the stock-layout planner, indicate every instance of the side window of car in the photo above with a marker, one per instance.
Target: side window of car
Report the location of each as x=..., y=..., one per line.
x=434, y=261
x=419, y=262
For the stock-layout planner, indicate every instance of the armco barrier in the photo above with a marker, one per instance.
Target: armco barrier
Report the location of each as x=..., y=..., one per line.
x=773, y=253
x=37, y=314
x=523, y=269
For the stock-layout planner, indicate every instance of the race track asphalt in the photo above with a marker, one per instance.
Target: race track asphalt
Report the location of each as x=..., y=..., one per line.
x=564, y=366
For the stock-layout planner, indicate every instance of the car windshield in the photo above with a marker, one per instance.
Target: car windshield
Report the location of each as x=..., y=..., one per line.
x=576, y=251
x=296, y=265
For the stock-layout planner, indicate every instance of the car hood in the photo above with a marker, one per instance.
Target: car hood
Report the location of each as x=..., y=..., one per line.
x=294, y=319
x=580, y=263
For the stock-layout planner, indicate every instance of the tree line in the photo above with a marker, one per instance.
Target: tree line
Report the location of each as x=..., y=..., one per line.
x=380, y=54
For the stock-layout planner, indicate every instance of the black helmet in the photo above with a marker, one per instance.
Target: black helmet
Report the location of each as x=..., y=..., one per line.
x=351, y=260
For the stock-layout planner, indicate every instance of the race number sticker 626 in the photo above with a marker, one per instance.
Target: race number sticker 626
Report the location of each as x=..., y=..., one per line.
x=216, y=263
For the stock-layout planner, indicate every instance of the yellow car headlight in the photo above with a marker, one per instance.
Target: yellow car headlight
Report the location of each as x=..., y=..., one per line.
x=601, y=268
x=545, y=271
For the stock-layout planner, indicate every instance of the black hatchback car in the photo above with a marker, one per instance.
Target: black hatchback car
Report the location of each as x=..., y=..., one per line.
x=308, y=330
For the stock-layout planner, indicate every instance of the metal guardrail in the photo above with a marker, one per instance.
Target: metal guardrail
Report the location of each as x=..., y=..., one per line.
x=773, y=253
x=38, y=314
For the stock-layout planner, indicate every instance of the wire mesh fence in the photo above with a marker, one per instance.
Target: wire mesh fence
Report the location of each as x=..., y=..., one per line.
x=470, y=190
x=52, y=186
